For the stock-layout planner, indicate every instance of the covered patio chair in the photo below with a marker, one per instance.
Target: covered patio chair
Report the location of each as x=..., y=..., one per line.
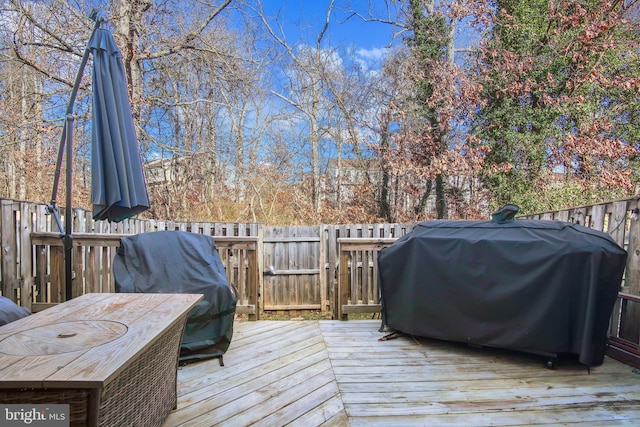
x=182, y=262
x=10, y=311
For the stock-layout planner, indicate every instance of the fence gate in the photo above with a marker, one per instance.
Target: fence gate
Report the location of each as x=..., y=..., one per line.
x=292, y=259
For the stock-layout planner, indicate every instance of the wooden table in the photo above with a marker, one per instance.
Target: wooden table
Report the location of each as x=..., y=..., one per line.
x=112, y=357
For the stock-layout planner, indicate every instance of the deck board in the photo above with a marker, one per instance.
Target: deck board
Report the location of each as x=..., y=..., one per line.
x=333, y=373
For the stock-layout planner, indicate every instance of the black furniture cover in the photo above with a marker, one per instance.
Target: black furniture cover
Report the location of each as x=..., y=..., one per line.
x=182, y=262
x=545, y=287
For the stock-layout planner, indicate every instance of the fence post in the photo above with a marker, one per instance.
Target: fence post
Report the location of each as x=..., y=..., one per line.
x=629, y=322
x=26, y=260
x=332, y=273
x=343, y=283
x=9, y=249
x=259, y=267
x=322, y=268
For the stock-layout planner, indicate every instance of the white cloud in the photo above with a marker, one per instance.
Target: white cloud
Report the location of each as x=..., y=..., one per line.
x=371, y=58
x=374, y=54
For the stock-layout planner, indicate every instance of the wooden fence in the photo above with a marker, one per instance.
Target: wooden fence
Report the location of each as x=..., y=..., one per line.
x=358, y=279
x=93, y=255
x=280, y=269
x=328, y=268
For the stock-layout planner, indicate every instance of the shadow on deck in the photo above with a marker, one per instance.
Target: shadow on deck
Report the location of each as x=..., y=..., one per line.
x=333, y=373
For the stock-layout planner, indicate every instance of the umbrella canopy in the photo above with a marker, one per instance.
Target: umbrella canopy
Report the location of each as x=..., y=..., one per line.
x=118, y=188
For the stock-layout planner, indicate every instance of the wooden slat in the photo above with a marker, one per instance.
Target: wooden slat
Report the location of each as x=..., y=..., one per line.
x=343, y=283
x=323, y=279
x=292, y=307
x=79, y=239
x=332, y=272
x=309, y=271
x=26, y=275
x=79, y=272
x=246, y=309
x=56, y=275
x=290, y=239
x=597, y=217
x=9, y=249
x=361, y=308
x=617, y=225
x=253, y=283
x=41, y=288
x=39, y=306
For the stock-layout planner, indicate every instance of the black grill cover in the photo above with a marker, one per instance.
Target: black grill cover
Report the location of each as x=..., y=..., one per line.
x=182, y=262
x=544, y=287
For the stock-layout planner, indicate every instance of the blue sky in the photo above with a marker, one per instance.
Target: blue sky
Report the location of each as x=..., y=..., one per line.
x=303, y=19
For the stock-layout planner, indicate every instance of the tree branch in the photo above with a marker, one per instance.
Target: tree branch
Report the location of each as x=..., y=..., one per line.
x=36, y=23
x=325, y=26
x=189, y=37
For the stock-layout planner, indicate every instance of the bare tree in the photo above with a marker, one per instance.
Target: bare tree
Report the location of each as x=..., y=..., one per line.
x=32, y=92
x=47, y=40
x=353, y=93
x=305, y=89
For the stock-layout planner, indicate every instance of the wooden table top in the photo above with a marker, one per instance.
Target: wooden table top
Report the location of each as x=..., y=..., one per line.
x=87, y=341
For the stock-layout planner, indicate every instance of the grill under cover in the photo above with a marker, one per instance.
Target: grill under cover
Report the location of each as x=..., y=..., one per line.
x=182, y=262
x=545, y=287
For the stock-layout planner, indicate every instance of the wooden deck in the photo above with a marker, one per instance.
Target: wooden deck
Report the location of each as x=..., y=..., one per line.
x=333, y=373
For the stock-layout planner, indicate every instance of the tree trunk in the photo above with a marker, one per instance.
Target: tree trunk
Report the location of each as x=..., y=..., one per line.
x=314, y=139
x=384, y=203
x=22, y=152
x=441, y=201
x=130, y=17
x=425, y=197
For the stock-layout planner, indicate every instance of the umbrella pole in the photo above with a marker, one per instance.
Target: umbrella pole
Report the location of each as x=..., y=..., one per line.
x=67, y=240
x=66, y=138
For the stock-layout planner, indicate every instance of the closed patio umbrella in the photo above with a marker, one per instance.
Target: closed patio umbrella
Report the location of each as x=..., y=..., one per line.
x=118, y=189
